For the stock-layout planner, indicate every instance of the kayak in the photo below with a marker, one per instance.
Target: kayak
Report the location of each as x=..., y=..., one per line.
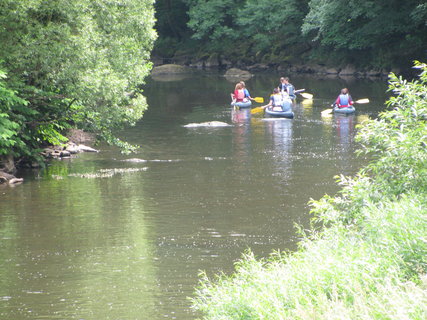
x=280, y=114
x=246, y=104
x=346, y=110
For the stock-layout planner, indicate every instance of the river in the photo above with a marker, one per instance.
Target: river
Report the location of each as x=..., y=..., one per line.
x=113, y=236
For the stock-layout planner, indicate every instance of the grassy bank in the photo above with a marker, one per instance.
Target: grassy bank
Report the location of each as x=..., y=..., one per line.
x=369, y=258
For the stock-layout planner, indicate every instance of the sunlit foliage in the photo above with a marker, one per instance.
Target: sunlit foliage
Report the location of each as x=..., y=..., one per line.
x=78, y=63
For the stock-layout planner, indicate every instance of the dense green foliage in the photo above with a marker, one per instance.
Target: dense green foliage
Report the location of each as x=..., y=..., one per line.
x=369, y=259
x=376, y=32
x=171, y=24
x=74, y=63
x=13, y=113
x=380, y=34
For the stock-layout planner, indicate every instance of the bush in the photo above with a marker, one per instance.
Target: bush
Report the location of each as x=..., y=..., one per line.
x=369, y=259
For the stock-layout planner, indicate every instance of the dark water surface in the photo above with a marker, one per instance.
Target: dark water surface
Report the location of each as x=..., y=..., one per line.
x=113, y=236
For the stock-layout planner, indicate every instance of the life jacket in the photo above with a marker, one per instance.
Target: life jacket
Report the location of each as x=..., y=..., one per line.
x=290, y=89
x=344, y=100
x=286, y=105
x=240, y=95
x=277, y=100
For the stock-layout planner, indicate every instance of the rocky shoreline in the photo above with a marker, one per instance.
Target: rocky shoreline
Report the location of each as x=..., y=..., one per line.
x=9, y=178
x=72, y=147
x=218, y=63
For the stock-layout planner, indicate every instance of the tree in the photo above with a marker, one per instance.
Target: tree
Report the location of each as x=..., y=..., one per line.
x=13, y=110
x=247, y=27
x=171, y=18
x=214, y=21
x=275, y=23
x=383, y=30
x=79, y=62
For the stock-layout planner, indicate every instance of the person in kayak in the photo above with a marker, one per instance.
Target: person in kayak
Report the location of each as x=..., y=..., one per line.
x=279, y=101
x=285, y=86
x=239, y=94
x=247, y=94
x=344, y=100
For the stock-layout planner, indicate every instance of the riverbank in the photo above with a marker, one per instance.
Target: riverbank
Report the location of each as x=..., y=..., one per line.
x=76, y=139
x=368, y=259
x=220, y=63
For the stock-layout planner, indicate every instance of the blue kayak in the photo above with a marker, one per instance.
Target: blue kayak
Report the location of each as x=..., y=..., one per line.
x=346, y=110
x=280, y=114
x=246, y=104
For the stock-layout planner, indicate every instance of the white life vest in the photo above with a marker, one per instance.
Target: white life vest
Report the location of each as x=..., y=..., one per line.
x=277, y=100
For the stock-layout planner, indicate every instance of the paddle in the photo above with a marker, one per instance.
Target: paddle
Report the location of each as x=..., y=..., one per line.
x=258, y=109
x=365, y=100
x=360, y=101
x=326, y=111
x=306, y=95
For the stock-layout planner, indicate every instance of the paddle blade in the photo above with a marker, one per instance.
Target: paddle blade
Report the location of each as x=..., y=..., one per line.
x=366, y=100
x=257, y=110
x=306, y=95
x=259, y=99
x=326, y=112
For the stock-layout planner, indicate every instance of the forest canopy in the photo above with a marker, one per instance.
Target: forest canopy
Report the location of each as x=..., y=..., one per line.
x=371, y=34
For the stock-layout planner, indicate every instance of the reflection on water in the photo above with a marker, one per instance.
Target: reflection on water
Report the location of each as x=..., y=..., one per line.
x=345, y=133
x=62, y=256
x=280, y=131
x=170, y=77
x=111, y=236
x=345, y=128
x=241, y=136
x=307, y=105
x=240, y=116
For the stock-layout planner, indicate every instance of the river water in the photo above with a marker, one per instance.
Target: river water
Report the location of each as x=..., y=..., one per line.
x=113, y=236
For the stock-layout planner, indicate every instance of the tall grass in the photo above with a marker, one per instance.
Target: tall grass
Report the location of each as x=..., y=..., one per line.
x=369, y=259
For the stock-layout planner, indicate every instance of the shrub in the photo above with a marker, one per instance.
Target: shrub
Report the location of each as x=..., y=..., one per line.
x=369, y=259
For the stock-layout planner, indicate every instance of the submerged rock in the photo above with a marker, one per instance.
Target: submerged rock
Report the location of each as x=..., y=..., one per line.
x=8, y=178
x=135, y=160
x=106, y=173
x=83, y=148
x=170, y=69
x=207, y=124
